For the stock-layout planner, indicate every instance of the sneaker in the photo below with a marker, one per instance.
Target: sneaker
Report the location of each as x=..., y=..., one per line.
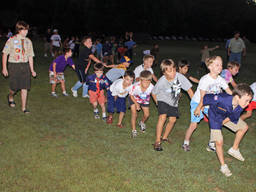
x=65, y=94
x=54, y=94
x=225, y=170
x=74, y=93
x=186, y=147
x=109, y=120
x=211, y=147
x=142, y=126
x=45, y=55
x=158, y=147
x=86, y=96
x=236, y=154
x=134, y=133
x=96, y=115
x=104, y=119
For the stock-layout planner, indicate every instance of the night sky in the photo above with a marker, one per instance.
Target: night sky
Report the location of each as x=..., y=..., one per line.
x=211, y=18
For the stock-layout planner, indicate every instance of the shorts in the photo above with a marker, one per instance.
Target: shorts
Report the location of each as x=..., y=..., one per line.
x=119, y=104
x=59, y=77
x=251, y=106
x=55, y=49
x=19, y=76
x=193, y=106
x=216, y=134
x=97, y=98
x=130, y=103
x=164, y=108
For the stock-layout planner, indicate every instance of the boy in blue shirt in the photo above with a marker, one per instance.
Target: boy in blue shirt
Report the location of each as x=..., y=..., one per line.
x=226, y=110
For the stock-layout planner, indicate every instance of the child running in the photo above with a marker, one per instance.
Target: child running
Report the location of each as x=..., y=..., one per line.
x=184, y=65
x=97, y=82
x=252, y=104
x=166, y=93
x=56, y=71
x=209, y=83
x=226, y=109
x=139, y=99
x=232, y=69
x=117, y=97
x=148, y=61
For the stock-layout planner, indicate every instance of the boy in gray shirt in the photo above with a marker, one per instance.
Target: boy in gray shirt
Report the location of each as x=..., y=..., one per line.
x=167, y=93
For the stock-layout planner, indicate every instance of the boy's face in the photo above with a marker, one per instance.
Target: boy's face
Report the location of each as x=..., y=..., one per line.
x=234, y=70
x=148, y=63
x=170, y=72
x=244, y=100
x=216, y=66
x=69, y=54
x=126, y=64
x=88, y=43
x=145, y=83
x=99, y=73
x=23, y=32
x=183, y=70
x=128, y=80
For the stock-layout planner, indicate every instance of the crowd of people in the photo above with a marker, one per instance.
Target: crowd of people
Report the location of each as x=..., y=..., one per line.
x=208, y=102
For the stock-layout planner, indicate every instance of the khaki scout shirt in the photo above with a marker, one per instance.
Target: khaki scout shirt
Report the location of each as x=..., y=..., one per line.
x=236, y=45
x=17, y=52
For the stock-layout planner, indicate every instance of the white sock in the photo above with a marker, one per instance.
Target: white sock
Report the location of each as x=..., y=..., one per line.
x=104, y=115
x=222, y=166
x=53, y=92
x=64, y=92
x=96, y=110
x=186, y=142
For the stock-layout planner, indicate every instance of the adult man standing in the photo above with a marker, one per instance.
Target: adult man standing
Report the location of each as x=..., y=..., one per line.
x=236, y=48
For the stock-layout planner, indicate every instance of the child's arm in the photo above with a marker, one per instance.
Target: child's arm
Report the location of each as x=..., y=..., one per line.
x=110, y=66
x=213, y=48
x=135, y=102
x=190, y=93
x=193, y=79
x=228, y=91
x=154, y=98
x=54, y=69
x=233, y=83
x=87, y=67
x=225, y=120
x=154, y=78
x=200, y=105
x=73, y=67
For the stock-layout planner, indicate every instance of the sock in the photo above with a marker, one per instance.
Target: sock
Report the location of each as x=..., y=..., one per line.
x=53, y=92
x=96, y=110
x=64, y=92
x=186, y=142
x=222, y=166
x=104, y=115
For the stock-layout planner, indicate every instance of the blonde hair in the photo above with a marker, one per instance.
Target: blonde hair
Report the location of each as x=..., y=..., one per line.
x=211, y=59
x=167, y=63
x=148, y=57
x=145, y=75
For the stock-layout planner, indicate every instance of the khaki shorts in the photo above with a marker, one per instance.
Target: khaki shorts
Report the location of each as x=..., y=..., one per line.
x=59, y=77
x=216, y=134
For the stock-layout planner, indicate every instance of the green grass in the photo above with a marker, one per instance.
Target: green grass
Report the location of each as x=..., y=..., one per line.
x=59, y=147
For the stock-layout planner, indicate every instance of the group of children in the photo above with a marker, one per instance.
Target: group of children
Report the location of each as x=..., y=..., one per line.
x=207, y=101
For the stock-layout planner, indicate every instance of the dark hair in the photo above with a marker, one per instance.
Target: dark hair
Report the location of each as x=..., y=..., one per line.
x=232, y=64
x=21, y=25
x=66, y=50
x=85, y=38
x=98, y=67
x=183, y=63
x=242, y=89
x=235, y=32
x=130, y=74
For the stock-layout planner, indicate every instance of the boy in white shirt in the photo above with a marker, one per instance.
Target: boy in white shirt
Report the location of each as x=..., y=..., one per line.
x=148, y=61
x=211, y=83
x=117, y=97
x=139, y=99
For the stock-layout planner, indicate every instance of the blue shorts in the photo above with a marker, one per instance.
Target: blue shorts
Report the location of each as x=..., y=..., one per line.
x=119, y=104
x=193, y=106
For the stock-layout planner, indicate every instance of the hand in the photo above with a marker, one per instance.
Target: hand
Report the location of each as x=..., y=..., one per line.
x=137, y=107
x=33, y=73
x=5, y=72
x=197, y=112
x=104, y=64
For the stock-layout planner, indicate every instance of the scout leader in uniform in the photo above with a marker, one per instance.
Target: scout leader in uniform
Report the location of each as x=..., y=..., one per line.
x=20, y=64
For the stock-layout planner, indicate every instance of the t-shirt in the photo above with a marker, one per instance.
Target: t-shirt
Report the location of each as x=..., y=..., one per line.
x=236, y=45
x=71, y=44
x=140, y=68
x=92, y=80
x=210, y=86
x=169, y=91
x=225, y=74
x=99, y=49
x=115, y=73
x=205, y=53
x=140, y=96
x=61, y=63
x=83, y=57
x=221, y=108
x=117, y=89
x=253, y=87
x=129, y=44
x=56, y=40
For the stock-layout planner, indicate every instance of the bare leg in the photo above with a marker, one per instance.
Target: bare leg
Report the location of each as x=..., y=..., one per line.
x=219, y=151
x=246, y=115
x=190, y=130
x=169, y=127
x=133, y=117
x=11, y=97
x=103, y=108
x=63, y=87
x=159, y=127
x=120, y=118
x=145, y=114
x=53, y=87
x=24, y=93
x=239, y=136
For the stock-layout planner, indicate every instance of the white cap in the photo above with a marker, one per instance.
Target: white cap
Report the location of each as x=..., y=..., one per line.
x=55, y=30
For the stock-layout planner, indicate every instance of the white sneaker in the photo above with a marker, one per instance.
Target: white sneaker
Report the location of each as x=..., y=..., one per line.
x=142, y=126
x=236, y=154
x=65, y=94
x=74, y=93
x=54, y=94
x=45, y=55
x=86, y=96
x=211, y=147
x=225, y=170
x=134, y=133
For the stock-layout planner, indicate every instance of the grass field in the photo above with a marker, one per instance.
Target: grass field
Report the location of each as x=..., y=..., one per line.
x=60, y=147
